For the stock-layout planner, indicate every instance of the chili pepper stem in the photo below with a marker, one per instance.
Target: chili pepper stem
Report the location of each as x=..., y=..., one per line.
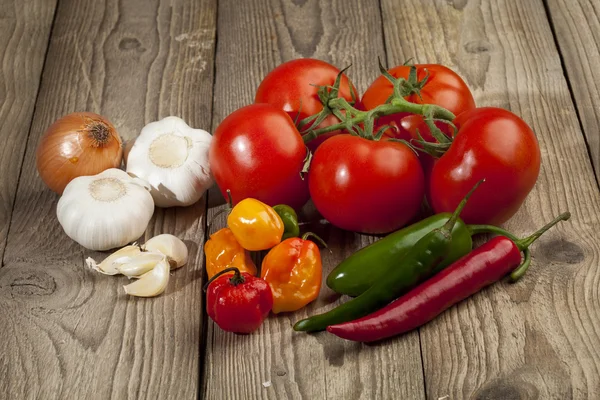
x=308, y=234
x=523, y=245
x=478, y=229
x=526, y=242
x=450, y=224
x=235, y=280
x=521, y=269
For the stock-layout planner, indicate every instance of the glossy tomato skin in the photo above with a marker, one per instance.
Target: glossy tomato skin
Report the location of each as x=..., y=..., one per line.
x=366, y=186
x=444, y=88
x=290, y=87
x=494, y=144
x=257, y=152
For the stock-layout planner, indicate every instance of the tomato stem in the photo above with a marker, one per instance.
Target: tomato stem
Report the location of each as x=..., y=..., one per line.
x=355, y=116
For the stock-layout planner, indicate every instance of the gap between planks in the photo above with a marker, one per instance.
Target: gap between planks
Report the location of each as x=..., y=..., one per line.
x=565, y=71
x=35, y=104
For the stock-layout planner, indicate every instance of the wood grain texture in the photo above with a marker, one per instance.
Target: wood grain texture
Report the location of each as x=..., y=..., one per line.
x=577, y=28
x=539, y=338
x=24, y=34
x=71, y=333
x=253, y=38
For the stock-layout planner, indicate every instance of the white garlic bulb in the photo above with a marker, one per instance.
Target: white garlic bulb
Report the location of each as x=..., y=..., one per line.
x=173, y=158
x=105, y=211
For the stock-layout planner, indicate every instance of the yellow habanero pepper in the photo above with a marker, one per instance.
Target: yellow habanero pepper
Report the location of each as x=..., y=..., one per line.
x=255, y=225
x=223, y=251
x=293, y=269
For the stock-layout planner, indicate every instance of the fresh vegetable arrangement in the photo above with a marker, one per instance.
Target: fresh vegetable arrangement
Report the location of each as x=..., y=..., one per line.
x=413, y=160
x=415, y=137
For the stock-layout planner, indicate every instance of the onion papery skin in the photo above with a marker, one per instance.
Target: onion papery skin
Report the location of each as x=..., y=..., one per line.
x=78, y=144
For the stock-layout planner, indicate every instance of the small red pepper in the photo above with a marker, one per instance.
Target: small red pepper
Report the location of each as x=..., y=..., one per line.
x=478, y=269
x=238, y=303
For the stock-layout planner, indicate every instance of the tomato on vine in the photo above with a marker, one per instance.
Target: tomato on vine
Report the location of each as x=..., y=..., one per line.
x=368, y=186
x=491, y=143
x=432, y=84
x=293, y=87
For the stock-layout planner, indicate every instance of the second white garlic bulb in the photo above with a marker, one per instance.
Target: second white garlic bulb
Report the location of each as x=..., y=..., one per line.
x=105, y=211
x=173, y=158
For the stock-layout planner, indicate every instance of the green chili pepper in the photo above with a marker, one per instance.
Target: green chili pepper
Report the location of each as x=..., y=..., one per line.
x=290, y=221
x=363, y=269
x=354, y=275
x=418, y=264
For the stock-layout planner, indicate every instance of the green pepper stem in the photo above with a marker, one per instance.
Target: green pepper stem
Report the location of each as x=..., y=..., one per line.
x=308, y=234
x=522, y=244
x=450, y=223
x=235, y=280
x=478, y=229
x=521, y=269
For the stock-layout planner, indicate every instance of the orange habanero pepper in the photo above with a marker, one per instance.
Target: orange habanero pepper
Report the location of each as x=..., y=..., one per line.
x=223, y=251
x=293, y=269
x=255, y=225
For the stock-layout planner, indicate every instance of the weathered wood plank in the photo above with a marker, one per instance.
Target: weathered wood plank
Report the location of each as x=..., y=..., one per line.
x=538, y=338
x=71, y=333
x=577, y=29
x=24, y=34
x=254, y=37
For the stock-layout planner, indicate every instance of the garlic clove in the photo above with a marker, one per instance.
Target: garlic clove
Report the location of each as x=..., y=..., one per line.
x=151, y=283
x=171, y=246
x=138, y=265
x=109, y=265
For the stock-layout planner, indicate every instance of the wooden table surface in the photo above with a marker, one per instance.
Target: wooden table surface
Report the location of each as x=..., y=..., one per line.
x=69, y=333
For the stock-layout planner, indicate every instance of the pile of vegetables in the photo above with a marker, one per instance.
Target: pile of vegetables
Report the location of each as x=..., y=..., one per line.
x=413, y=160
x=414, y=144
x=103, y=207
x=291, y=272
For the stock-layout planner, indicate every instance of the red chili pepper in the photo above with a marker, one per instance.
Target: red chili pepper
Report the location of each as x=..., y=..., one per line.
x=478, y=269
x=238, y=303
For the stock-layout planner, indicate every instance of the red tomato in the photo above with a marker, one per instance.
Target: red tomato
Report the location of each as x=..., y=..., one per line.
x=290, y=87
x=257, y=152
x=494, y=144
x=365, y=185
x=443, y=88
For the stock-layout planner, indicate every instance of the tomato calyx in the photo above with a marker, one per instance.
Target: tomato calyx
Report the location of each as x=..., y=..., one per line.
x=443, y=142
x=326, y=93
x=405, y=87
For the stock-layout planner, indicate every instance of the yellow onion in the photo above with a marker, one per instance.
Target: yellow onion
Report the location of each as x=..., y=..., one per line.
x=78, y=144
